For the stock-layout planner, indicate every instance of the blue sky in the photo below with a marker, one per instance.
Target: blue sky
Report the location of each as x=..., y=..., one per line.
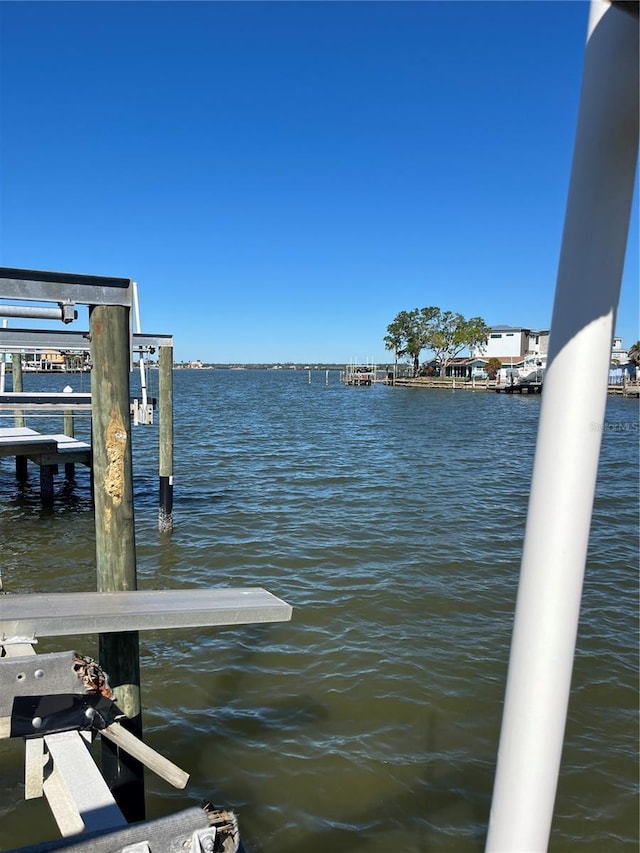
x=282, y=178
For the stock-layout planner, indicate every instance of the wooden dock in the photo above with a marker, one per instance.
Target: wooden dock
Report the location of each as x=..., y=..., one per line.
x=43, y=402
x=630, y=388
x=435, y=383
x=360, y=378
x=520, y=388
x=364, y=375
x=52, y=449
x=46, y=451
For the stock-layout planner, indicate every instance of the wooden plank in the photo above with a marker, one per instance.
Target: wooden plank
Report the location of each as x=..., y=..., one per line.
x=43, y=401
x=64, y=613
x=68, y=443
x=68, y=450
x=68, y=457
x=77, y=794
x=54, y=449
x=26, y=445
x=42, y=407
x=160, y=765
x=16, y=432
x=34, y=761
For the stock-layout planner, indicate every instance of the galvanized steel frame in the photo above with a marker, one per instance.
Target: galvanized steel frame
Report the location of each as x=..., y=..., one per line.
x=47, y=286
x=33, y=340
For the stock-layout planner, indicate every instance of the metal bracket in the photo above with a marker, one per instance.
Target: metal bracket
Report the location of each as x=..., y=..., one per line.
x=36, y=676
x=203, y=840
x=69, y=313
x=52, y=692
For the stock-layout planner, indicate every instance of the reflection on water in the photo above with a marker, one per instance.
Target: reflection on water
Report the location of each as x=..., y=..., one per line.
x=392, y=520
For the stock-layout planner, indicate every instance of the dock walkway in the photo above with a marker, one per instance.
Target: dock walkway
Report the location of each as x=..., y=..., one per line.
x=54, y=449
x=46, y=451
x=42, y=401
x=520, y=388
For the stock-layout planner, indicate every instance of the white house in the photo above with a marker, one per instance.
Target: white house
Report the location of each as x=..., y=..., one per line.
x=512, y=344
x=619, y=354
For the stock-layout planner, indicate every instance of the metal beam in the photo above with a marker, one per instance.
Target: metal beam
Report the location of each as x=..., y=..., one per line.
x=66, y=613
x=45, y=286
x=34, y=340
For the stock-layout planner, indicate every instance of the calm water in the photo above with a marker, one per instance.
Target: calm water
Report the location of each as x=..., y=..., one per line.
x=392, y=520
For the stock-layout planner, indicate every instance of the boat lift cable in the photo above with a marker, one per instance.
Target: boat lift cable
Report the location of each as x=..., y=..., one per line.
x=141, y=364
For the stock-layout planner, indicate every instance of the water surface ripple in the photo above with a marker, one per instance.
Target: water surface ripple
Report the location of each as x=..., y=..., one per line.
x=392, y=520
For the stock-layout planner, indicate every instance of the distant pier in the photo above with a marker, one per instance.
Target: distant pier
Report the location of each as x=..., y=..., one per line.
x=365, y=375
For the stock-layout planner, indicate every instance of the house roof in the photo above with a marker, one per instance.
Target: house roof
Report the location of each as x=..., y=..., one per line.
x=527, y=329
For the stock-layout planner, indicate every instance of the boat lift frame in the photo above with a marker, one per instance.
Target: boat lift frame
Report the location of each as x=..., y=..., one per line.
x=110, y=303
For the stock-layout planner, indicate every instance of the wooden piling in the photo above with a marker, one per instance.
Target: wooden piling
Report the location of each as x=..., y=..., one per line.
x=165, y=392
x=16, y=381
x=115, y=536
x=46, y=482
x=19, y=420
x=68, y=429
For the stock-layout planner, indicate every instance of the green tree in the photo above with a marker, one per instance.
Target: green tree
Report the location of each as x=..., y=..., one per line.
x=634, y=354
x=452, y=333
x=410, y=333
x=493, y=366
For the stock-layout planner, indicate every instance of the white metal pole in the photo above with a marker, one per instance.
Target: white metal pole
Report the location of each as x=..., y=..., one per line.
x=141, y=364
x=3, y=365
x=569, y=436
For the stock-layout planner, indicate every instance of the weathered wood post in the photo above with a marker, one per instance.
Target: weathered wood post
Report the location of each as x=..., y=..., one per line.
x=19, y=420
x=165, y=392
x=46, y=484
x=16, y=381
x=115, y=536
x=68, y=429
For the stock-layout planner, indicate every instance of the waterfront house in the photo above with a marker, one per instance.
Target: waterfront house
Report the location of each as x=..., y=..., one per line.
x=620, y=369
x=513, y=344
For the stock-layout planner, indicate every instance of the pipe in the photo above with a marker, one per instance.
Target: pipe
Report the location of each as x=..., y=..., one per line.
x=63, y=312
x=569, y=435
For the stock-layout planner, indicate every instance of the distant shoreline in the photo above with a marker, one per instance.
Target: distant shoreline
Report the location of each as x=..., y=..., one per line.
x=269, y=366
